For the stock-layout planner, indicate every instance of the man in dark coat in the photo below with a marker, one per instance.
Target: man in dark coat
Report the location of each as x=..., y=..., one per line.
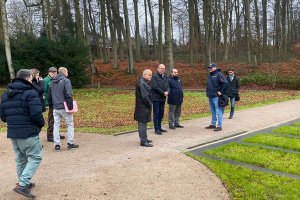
x=21, y=109
x=215, y=87
x=232, y=90
x=143, y=104
x=60, y=91
x=175, y=99
x=160, y=90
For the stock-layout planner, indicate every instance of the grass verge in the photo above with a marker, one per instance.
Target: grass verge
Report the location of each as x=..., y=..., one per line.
x=272, y=159
x=287, y=130
x=275, y=141
x=244, y=183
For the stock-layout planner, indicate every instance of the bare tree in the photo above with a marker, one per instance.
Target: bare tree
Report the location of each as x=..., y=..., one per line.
x=168, y=36
x=137, y=30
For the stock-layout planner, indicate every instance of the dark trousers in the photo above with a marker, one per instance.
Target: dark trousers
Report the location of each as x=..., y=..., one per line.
x=158, y=114
x=174, y=114
x=50, y=123
x=142, y=128
x=232, y=104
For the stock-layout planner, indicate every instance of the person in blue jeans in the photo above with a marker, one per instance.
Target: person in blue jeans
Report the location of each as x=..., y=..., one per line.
x=21, y=109
x=232, y=89
x=160, y=90
x=215, y=87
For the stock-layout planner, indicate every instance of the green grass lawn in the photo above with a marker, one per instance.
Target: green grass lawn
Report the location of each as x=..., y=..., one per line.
x=275, y=141
x=288, y=130
x=110, y=111
x=244, y=183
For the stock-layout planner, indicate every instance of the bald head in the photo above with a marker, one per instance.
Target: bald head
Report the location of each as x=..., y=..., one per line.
x=161, y=68
x=147, y=74
x=63, y=70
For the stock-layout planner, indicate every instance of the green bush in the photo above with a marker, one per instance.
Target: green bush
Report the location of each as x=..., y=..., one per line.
x=29, y=51
x=273, y=80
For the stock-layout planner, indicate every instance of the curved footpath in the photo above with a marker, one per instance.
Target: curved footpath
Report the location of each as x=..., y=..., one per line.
x=116, y=167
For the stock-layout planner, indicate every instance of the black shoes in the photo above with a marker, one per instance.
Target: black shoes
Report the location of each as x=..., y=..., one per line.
x=51, y=139
x=211, y=127
x=57, y=147
x=23, y=190
x=218, y=129
x=230, y=117
x=172, y=127
x=73, y=146
x=178, y=126
x=149, y=141
x=163, y=130
x=146, y=144
x=157, y=132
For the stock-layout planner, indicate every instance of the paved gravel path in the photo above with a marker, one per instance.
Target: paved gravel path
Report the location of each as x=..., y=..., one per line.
x=116, y=167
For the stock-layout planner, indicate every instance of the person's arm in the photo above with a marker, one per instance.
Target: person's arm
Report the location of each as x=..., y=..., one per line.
x=223, y=83
x=68, y=94
x=155, y=86
x=46, y=88
x=2, y=114
x=237, y=84
x=35, y=109
x=144, y=92
x=49, y=102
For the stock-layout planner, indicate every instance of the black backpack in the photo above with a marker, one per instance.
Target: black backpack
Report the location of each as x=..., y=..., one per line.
x=223, y=100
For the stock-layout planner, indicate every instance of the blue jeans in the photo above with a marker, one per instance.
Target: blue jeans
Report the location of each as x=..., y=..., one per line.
x=216, y=111
x=28, y=157
x=232, y=104
x=158, y=114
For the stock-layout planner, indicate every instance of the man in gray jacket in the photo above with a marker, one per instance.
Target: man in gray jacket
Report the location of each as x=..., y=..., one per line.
x=60, y=91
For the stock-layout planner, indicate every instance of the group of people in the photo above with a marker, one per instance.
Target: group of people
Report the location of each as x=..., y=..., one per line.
x=29, y=95
x=152, y=91
x=22, y=107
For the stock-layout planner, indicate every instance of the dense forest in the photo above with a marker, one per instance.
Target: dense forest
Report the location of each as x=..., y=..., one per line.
x=43, y=33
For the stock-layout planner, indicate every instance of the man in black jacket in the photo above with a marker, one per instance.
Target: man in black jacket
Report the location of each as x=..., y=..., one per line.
x=21, y=109
x=143, y=104
x=175, y=99
x=232, y=90
x=160, y=90
x=215, y=87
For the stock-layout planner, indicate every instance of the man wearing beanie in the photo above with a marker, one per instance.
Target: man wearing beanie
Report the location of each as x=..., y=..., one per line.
x=21, y=109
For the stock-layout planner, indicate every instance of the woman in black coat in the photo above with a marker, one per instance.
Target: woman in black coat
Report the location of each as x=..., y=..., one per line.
x=232, y=90
x=38, y=83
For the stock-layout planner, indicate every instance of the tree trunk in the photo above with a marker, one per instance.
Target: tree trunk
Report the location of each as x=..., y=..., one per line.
x=137, y=30
x=113, y=36
x=104, y=31
x=152, y=28
x=237, y=25
x=130, y=69
x=147, y=32
x=78, y=20
x=191, y=31
x=248, y=31
x=86, y=26
x=160, y=20
x=170, y=61
x=257, y=28
x=6, y=40
x=264, y=22
x=207, y=12
x=49, y=18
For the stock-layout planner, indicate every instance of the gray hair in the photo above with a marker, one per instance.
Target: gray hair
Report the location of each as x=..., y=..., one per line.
x=24, y=74
x=146, y=71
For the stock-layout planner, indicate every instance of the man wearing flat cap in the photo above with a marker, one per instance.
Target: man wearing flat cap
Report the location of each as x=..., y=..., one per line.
x=52, y=72
x=216, y=86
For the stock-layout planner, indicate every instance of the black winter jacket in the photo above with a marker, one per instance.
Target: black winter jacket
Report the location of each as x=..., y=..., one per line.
x=233, y=86
x=175, y=96
x=216, y=81
x=159, y=85
x=143, y=103
x=21, y=108
x=39, y=86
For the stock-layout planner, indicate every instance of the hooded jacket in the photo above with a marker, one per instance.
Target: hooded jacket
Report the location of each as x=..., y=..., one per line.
x=216, y=81
x=21, y=108
x=60, y=91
